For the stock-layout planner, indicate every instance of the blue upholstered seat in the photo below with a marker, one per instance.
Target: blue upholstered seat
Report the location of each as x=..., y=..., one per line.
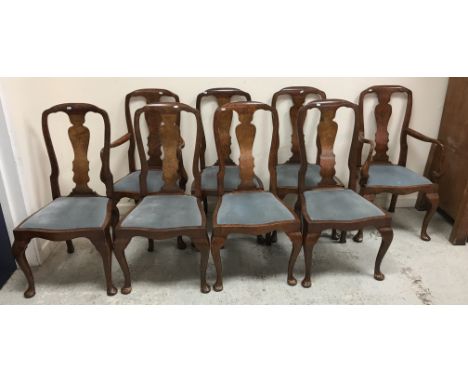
x=338, y=204
x=287, y=175
x=209, y=178
x=252, y=208
x=393, y=175
x=69, y=212
x=131, y=182
x=164, y=211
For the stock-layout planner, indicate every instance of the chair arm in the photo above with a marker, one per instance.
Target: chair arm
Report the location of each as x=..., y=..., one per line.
x=437, y=173
x=120, y=141
x=365, y=167
x=425, y=138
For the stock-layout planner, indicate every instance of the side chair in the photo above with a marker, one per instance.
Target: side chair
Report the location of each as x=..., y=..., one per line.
x=83, y=213
x=288, y=172
x=330, y=205
x=129, y=185
x=248, y=209
x=168, y=211
x=209, y=173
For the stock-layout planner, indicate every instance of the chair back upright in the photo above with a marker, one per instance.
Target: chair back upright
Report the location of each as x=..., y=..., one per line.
x=171, y=142
x=298, y=95
x=152, y=119
x=327, y=130
x=79, y=136
x=223, y=96
x=245, y=135
x=382, y=114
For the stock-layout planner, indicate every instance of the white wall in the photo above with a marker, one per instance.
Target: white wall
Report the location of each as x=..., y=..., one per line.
x=24, y=99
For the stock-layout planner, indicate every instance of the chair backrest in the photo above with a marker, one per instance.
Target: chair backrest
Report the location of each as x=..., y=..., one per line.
x=222, y=96
x=382, y=113
x=171, y=142
x=79, y=136
x=298, y=95
x=152, y=120
x=245, y=134
x=327, y=130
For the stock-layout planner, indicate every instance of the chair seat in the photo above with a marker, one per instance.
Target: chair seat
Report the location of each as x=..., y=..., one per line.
x=287, y=175
x=339, y=204
x=209, y=178
x=394, y=176
x=164, y=212
x=69, y=212
x=131, y=182
x=252, y=208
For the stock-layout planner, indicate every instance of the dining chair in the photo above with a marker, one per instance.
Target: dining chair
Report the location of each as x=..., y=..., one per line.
x=329, y=205
x=209, y=174
x=82, y=213
x=397, y=179
x=288, y=172
x=129, y=185
x=248, y=209
x=167, y=211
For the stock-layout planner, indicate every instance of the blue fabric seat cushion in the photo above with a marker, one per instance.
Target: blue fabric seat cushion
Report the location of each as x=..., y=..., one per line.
x=131, y=182
x=339, y=204
x=164, y=211
x=252, y=208
x=394, y=176
x=287, y=175
x=70, y=212
x=209, y=178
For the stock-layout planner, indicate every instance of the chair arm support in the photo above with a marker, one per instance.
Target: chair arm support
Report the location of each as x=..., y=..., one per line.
x=120, y=141
x=424, y=138
x=437, y=173
x=365, y=168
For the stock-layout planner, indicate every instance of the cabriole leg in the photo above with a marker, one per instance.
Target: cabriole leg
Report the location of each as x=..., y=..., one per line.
x=296, y=240
x=433, y=199
x=18, y=249
x=119, y=249
x=216, y=243
x=387, y=237
x=104, y=247
x=309, y=243
x=203, y=245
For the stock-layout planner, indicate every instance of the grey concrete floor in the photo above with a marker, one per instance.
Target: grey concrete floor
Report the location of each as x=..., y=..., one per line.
x=416, y=272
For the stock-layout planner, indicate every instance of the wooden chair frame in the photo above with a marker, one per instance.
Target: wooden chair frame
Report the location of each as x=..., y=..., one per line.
x=428, y=193
x=326, y=132
x=223, y=96
x=100, y=237
x=245, y=133
x=169, y=112
x=298, y=95
x=152, y=95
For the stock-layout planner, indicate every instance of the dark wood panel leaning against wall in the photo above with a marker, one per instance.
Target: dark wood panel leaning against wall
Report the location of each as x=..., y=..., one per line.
x=453, y=133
